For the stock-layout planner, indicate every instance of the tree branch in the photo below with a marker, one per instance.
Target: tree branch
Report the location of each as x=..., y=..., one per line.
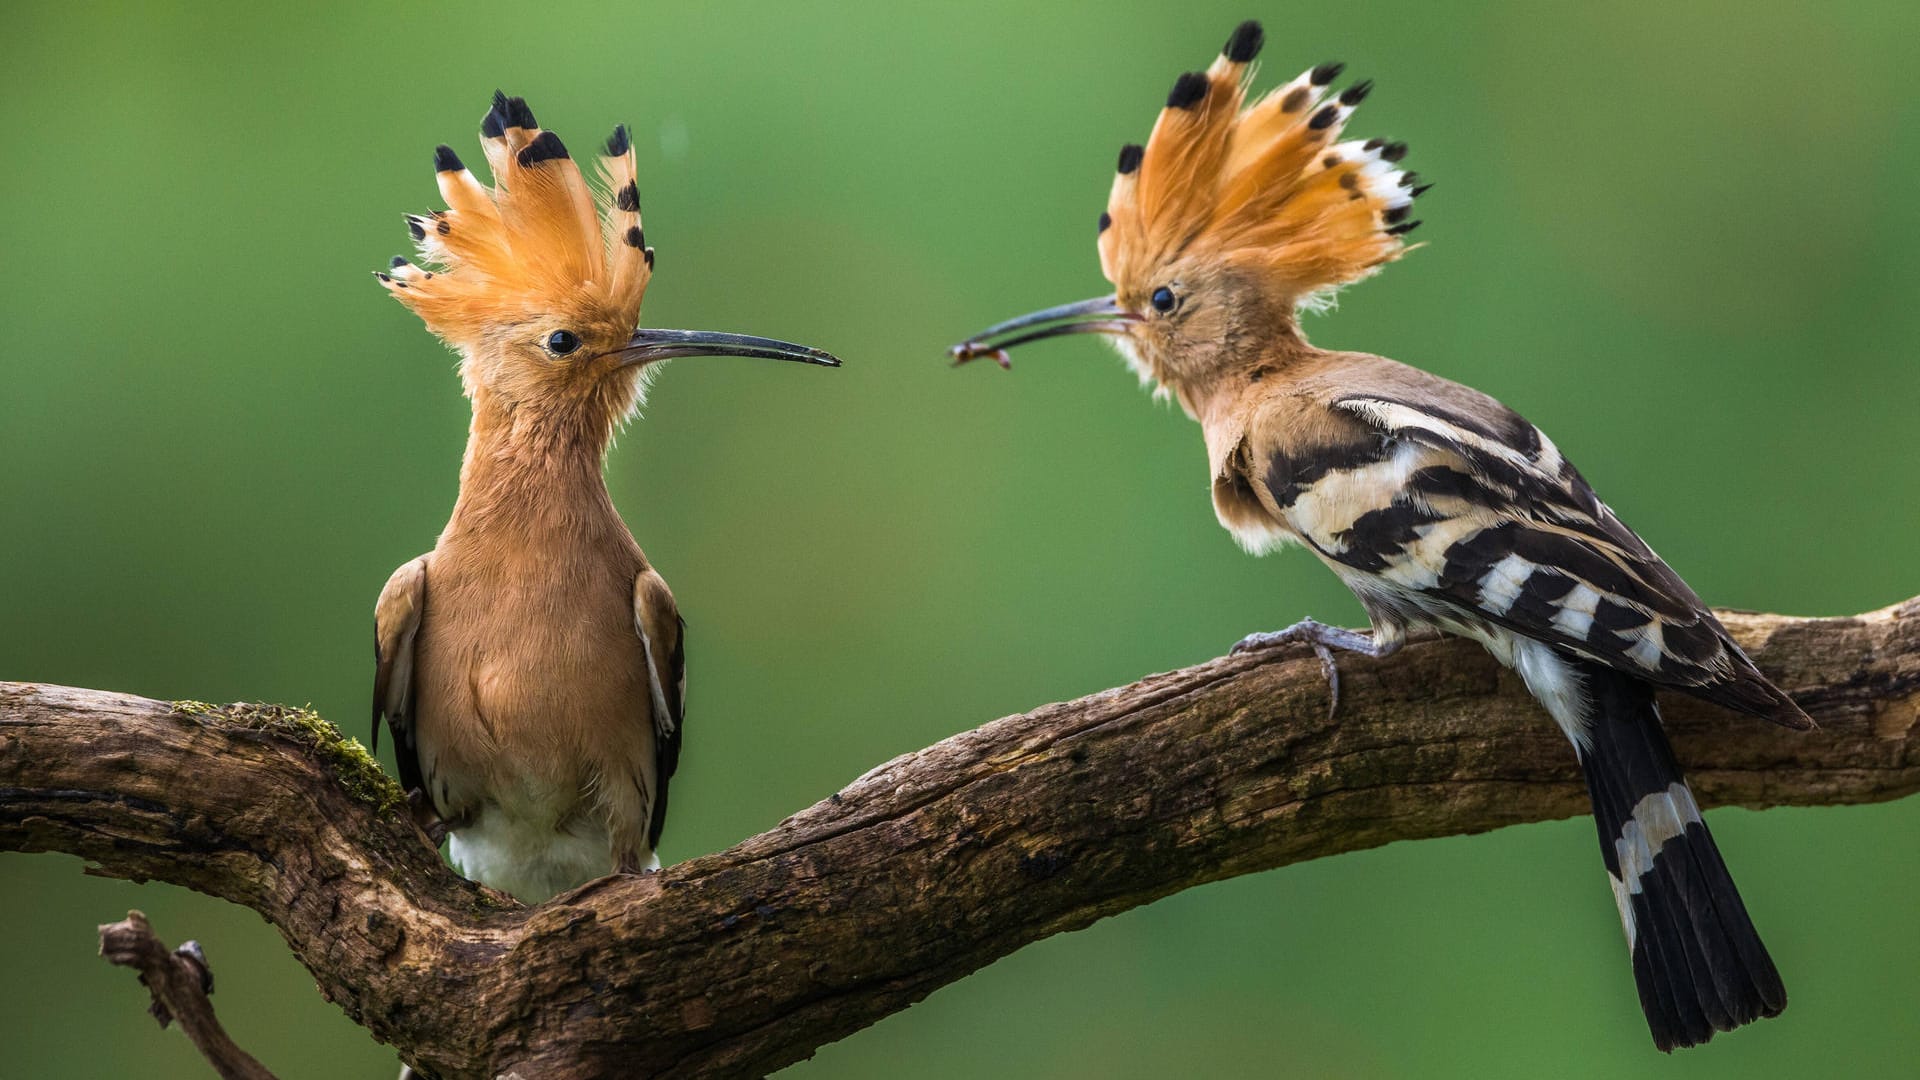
x=180, y=983
x=921, y=871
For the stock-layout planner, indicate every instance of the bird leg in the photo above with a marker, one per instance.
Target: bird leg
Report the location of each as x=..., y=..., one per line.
x=430, y=824
x=1323, y=639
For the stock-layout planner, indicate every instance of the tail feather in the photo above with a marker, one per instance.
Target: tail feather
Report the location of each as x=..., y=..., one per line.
x=1751, y=987
x=1699, y=964
x=1657, y=996
x=1662, y=972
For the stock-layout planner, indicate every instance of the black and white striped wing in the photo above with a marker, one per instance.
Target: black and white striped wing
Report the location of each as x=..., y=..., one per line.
x=1483, y=515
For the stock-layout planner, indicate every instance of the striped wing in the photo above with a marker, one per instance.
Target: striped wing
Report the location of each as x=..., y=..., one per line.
x=1482, y=515
x=396, y=622
x=663, y=635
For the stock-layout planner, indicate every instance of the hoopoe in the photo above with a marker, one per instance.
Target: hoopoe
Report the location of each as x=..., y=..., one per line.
x=532, y=665
x=1437, y=505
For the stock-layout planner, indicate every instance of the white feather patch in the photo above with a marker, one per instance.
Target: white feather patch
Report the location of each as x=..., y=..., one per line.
x=1500, y=586
x=1337, y=500
x=1575, y=615
x=1394, y=416
x=1256, y=538
x=1624, y=900
x=1648, y=651
x=1419, y=564
x=1553, y=683
x=662, y=717
x=529, y=856
x=1656, y=819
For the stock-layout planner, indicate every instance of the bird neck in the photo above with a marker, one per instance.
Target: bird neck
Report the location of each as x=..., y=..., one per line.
x=533, y=471
x=1273, y=349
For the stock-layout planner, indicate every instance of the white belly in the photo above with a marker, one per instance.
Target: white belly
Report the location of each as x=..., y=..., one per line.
x=531, y=859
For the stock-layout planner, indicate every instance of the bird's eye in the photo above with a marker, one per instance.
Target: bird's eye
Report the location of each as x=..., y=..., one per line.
x=1163, y=300
x=562, y=342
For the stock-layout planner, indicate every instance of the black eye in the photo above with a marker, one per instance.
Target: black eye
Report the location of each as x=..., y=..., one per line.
x=562, y=342
x=1163, y=300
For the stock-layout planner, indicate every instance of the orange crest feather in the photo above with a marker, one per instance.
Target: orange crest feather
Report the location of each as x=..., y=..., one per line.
x=1266, y=186
x=535, y=243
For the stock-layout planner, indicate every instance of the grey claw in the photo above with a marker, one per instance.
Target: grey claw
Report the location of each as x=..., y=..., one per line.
x=429, y=823
x=1324, y=639
x=1332, y=671
x=1253, y=642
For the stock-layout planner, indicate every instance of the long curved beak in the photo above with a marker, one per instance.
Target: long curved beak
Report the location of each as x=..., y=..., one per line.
x=1101, y=315
x=648, y=345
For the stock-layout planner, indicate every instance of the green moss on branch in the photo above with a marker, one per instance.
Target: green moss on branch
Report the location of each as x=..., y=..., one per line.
x=344, y=758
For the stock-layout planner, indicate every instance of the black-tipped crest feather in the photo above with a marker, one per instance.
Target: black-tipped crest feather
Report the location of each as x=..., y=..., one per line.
x=1264, y=178
x=1187, y=90
x=1245, y=43
x=545, y=146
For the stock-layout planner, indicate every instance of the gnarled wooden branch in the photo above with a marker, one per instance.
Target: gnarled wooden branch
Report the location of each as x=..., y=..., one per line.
x=180, y=983
x=925, y=869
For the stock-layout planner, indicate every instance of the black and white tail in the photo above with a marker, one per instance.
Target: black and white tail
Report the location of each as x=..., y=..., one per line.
x=1697, y=959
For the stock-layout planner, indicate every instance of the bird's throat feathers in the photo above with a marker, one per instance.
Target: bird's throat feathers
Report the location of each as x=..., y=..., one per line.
x=523, y=455
x=1246, y=343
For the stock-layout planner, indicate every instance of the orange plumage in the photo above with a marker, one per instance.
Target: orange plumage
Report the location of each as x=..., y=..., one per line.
x=1265, y=187
x=532, y=665
x=533, y=243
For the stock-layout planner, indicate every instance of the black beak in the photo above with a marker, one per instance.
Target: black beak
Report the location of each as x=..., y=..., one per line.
x=1101, y=315
x=667, y=344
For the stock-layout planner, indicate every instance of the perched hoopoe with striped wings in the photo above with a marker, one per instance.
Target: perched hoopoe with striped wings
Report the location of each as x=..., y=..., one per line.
x=1436, y=504
x=532, y=665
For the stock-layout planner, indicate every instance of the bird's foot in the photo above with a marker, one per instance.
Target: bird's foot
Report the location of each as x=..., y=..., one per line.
x=1323, y=639
x=424, y=817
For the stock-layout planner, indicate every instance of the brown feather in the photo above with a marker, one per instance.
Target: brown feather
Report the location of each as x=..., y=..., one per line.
x=526, y=698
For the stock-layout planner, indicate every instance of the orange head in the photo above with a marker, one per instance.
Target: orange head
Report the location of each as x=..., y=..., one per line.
x=537, y=283
x=1231, y=217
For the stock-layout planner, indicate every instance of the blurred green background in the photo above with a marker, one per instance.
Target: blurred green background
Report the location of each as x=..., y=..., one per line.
x=1680, y=240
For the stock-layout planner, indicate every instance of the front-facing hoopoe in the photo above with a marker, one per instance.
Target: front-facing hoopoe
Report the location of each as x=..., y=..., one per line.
x=531, y=665
x=1437, y=505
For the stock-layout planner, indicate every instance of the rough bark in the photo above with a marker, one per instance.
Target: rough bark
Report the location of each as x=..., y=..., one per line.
x=914, y=875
